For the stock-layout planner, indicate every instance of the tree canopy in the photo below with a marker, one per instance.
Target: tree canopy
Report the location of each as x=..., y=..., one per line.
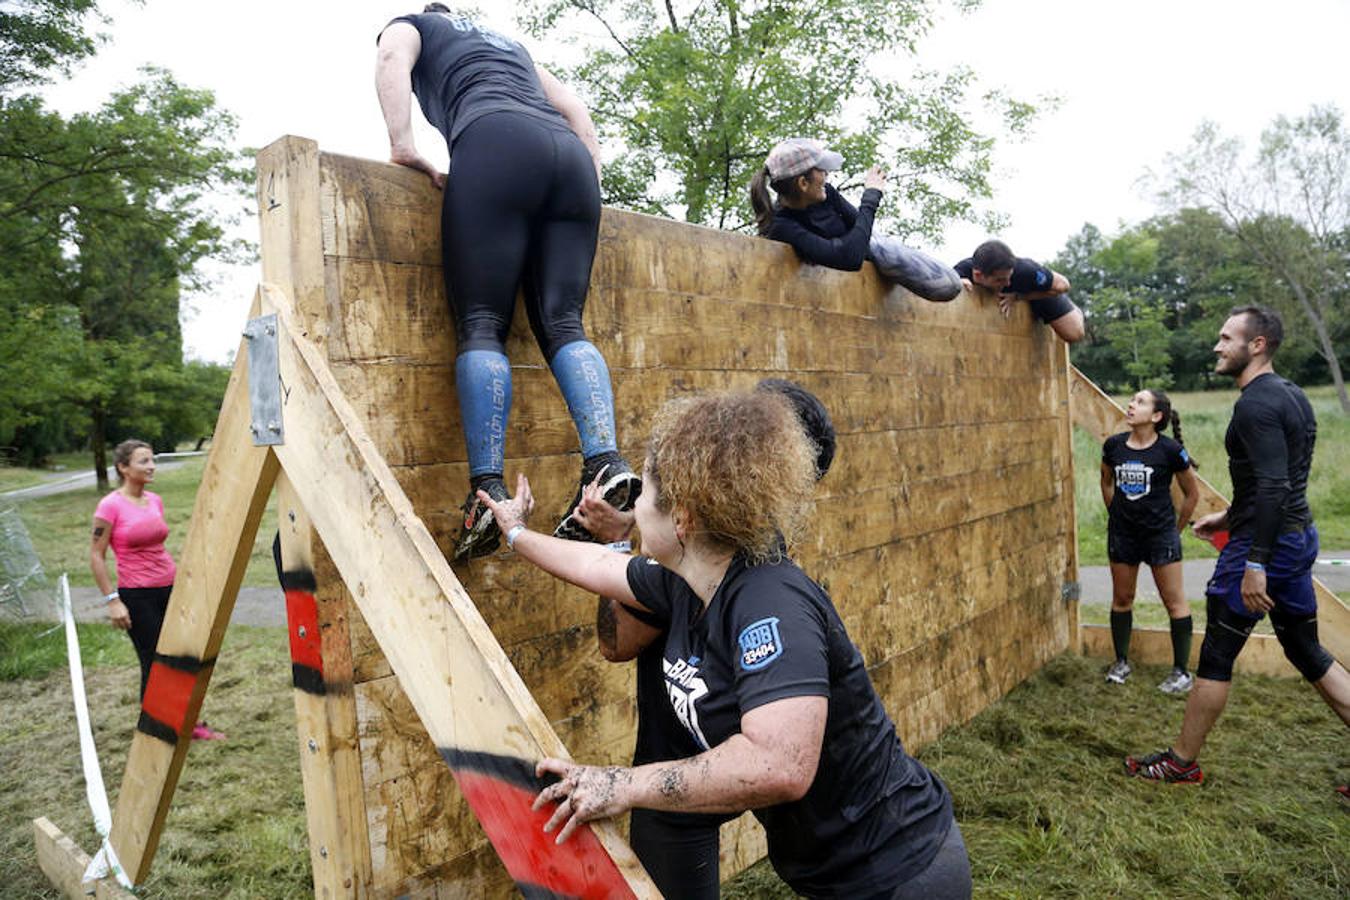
x=694, y=94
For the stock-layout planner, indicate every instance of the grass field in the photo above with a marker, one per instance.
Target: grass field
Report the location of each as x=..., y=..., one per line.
x=1036, y=781
x=13, y=478
x=1204, y=420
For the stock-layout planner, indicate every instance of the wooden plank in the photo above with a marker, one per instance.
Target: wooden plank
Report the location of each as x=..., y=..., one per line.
x=474, y=706
x=1064, y=446
x=64, y=864
x=325, y=712
x=288, y=216
x=234, y=489
x=1261, y=655
x=1099, y=414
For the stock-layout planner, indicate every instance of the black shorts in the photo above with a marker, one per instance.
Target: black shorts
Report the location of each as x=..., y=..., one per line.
x=1156, y=548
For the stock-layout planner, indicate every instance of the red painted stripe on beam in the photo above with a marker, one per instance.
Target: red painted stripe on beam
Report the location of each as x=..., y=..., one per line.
x=578, y=868
x=302, y=617
x=167, y=694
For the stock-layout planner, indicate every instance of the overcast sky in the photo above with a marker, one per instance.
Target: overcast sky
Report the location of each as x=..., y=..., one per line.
x=1134, y=80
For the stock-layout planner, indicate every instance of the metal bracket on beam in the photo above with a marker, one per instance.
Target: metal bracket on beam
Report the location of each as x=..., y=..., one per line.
x=1070, y=590
x=264, y=382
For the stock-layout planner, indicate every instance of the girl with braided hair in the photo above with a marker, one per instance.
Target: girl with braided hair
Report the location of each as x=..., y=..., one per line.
x=1144, y=527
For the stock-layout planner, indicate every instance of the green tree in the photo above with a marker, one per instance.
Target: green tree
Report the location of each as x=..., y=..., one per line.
x=104, y=217
x=40, y=37
x=694, y=94
x=1288, y=207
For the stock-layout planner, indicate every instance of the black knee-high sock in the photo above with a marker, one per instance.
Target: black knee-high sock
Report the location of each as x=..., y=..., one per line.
x=1122, y=623
x=1181, y=642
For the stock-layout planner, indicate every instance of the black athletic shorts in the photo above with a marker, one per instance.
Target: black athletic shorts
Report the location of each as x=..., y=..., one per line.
x=1131, y=548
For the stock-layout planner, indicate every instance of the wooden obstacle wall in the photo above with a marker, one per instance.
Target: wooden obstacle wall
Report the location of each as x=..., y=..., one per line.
x=944, y=531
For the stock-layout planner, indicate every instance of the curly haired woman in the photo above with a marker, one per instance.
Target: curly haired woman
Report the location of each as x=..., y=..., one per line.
x=759, y=668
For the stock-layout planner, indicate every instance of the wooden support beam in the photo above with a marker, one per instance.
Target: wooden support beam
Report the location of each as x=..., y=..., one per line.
x=1261, y=655
x=234, y=489
x=325, y=711
x=472, y=702
x=64, y=864
x=1095, y=411
x=1064, y=456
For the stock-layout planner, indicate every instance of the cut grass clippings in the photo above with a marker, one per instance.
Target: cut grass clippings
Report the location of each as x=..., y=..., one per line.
x=237, y=824
x=1046, y=811
x=1036, y=779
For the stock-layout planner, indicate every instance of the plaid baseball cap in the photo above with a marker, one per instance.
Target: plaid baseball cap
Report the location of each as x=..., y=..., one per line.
x=797, y=156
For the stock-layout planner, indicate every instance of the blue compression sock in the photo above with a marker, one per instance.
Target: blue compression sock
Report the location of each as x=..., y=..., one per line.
x=483, y=382
x=583, y=378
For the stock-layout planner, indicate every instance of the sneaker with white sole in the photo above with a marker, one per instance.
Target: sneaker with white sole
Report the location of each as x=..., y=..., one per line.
x=1164, y=766
x=619, y=486
x=1119, y=671
x=1179, y=682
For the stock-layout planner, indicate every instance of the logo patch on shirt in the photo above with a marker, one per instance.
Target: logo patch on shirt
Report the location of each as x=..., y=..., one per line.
x=760, y=644
x=1042, y=278
x=1134, y=479
x=1185, y=457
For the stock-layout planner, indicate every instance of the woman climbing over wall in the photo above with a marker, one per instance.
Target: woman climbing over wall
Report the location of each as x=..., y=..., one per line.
x=759, y=670
x=131, y=521
x=1144, y=527
x=826, y=229
x=521, y=211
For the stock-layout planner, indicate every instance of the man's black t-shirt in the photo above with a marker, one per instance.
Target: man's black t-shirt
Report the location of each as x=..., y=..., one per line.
x=1270, y=448
x=466, y=71
x=873, y=817
x=1142, y=502
x=1028, y=277
x=829, y=233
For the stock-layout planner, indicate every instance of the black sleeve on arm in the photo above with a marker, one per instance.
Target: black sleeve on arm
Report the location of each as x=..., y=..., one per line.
x=847, y=211
x=1262, y=434
x=847, y=252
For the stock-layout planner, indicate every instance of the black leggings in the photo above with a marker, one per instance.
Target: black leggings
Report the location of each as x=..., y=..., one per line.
x=679, y=851
x=146, y=606
x=522, y=210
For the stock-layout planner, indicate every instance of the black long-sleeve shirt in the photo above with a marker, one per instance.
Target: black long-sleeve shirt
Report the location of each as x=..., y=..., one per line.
x=1270, y=448
x=829, y=233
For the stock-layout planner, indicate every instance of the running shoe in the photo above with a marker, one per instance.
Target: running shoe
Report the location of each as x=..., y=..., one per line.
x=1164, y=766
x=619, y=486
x=1179, y=682
x=1119, y=671
x=481, y=536
x=203, y=732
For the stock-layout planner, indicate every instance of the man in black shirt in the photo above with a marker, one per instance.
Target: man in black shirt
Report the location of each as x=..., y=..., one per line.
x=994, y=267
x=1266, y=565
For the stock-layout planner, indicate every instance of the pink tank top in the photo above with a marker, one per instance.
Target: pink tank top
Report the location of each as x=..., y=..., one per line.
x=138, y=534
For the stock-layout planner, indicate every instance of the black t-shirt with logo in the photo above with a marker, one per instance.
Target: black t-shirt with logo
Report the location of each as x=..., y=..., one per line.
x=466, y=71
x=873, y=817
x=1142, y=501
x=1028, y=277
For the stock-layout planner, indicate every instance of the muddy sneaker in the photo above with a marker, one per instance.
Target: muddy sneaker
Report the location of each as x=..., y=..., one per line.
x=1179, y=682
x=481, y=536
x=1164, y=766
x=619, y=486
x=1119, y=671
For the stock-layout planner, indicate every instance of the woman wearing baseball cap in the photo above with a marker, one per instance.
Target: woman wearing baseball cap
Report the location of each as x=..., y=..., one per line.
x=826, y=229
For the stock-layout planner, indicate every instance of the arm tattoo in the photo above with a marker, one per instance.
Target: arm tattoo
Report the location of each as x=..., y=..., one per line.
x=98, y=531
x=607, y=625
x=672, y=783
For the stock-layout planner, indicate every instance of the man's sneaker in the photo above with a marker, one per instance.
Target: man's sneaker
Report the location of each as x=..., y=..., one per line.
x=1164, y=766
x=1179, y=682
x=481, y=536
x=1119, y=671
x=619, y=486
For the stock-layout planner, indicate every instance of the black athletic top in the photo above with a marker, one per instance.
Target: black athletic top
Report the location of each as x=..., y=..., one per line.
x=1270, y=447
x=466, y=71
x=873, y=816
x=829, y=233
x=1028, y=277
x=1142, y=502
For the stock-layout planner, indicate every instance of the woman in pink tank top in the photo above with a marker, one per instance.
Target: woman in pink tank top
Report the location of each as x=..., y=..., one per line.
x=131, y=521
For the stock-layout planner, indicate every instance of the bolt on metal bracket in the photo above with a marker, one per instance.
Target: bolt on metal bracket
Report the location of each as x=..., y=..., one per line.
x=264, y=382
